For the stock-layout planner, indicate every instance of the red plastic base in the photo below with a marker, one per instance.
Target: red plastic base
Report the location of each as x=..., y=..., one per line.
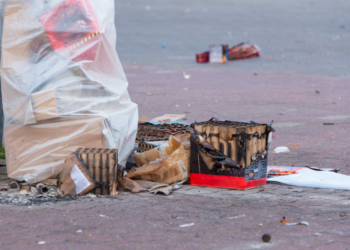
x=225, y=181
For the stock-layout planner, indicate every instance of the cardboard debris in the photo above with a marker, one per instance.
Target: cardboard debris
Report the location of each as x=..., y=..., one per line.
x=53, y=182
x=168, y=118
x=163, y=190
x=75, y=177
x=176, y=167
x=150, y=185
x=143, y=119
x=137, y=186
x=164, y=150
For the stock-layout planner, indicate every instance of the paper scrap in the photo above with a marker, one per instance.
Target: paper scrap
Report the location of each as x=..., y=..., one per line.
x=80, y=181
x=303, y=223
x=187, y=225
x=281, y=150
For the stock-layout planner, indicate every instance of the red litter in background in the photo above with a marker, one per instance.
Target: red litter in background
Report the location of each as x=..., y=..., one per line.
x=239, y=51
x=203, y=58
x=243, y=51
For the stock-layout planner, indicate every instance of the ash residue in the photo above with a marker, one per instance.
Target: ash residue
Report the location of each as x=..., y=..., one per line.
x=24, y=198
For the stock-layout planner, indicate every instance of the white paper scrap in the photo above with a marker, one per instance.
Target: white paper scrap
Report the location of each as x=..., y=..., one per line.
x=81, y=182
x=316, y=179
x=281, y=150
x=187, y=225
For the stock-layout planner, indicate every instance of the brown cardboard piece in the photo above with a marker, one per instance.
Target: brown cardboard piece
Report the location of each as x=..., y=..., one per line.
x=41, y=149
x=133, y=186
x=45, y=105
x=168, y=171
x=75, y=177
x=143, y=119
x=162, y=151
x=137, y=186
x=53, y=182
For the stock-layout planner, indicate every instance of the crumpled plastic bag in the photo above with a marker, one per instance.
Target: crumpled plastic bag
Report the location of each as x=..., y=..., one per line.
x=63, y=85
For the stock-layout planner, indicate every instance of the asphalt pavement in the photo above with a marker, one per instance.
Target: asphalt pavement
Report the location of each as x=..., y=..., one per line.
x=295, y=37
x=300, y=81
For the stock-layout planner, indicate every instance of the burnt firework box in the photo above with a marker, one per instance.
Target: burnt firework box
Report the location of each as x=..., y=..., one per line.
x=245, y=143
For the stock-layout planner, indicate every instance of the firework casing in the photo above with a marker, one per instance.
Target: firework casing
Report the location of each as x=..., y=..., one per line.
x=223, y=140
x=215, y=142
x=242, y=148
x=103, y=162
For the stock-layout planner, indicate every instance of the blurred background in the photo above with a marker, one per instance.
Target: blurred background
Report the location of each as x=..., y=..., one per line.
x=295, y=37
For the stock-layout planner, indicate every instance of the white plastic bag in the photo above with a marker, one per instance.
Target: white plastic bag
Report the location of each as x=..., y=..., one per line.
x=63, y=85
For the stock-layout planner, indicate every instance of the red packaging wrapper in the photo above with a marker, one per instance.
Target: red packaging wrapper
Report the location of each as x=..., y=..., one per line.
x=243, y=51
x=203, y=58
x=72, y=25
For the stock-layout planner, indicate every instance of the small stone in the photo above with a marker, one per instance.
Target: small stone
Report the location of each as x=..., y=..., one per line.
x=23, y=192
x=266, y=237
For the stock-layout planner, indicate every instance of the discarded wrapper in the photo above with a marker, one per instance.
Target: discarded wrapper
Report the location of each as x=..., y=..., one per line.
x=53, y=182
x=203, y=57
x=136, y=186
x=25, y=186
x=243, y=51
x=75, y=177
x=220, y=53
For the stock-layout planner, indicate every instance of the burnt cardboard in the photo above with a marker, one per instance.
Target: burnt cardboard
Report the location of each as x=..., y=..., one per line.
x=245, y=143
x=102, y=164
x=174, y=168
x=75, y=178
